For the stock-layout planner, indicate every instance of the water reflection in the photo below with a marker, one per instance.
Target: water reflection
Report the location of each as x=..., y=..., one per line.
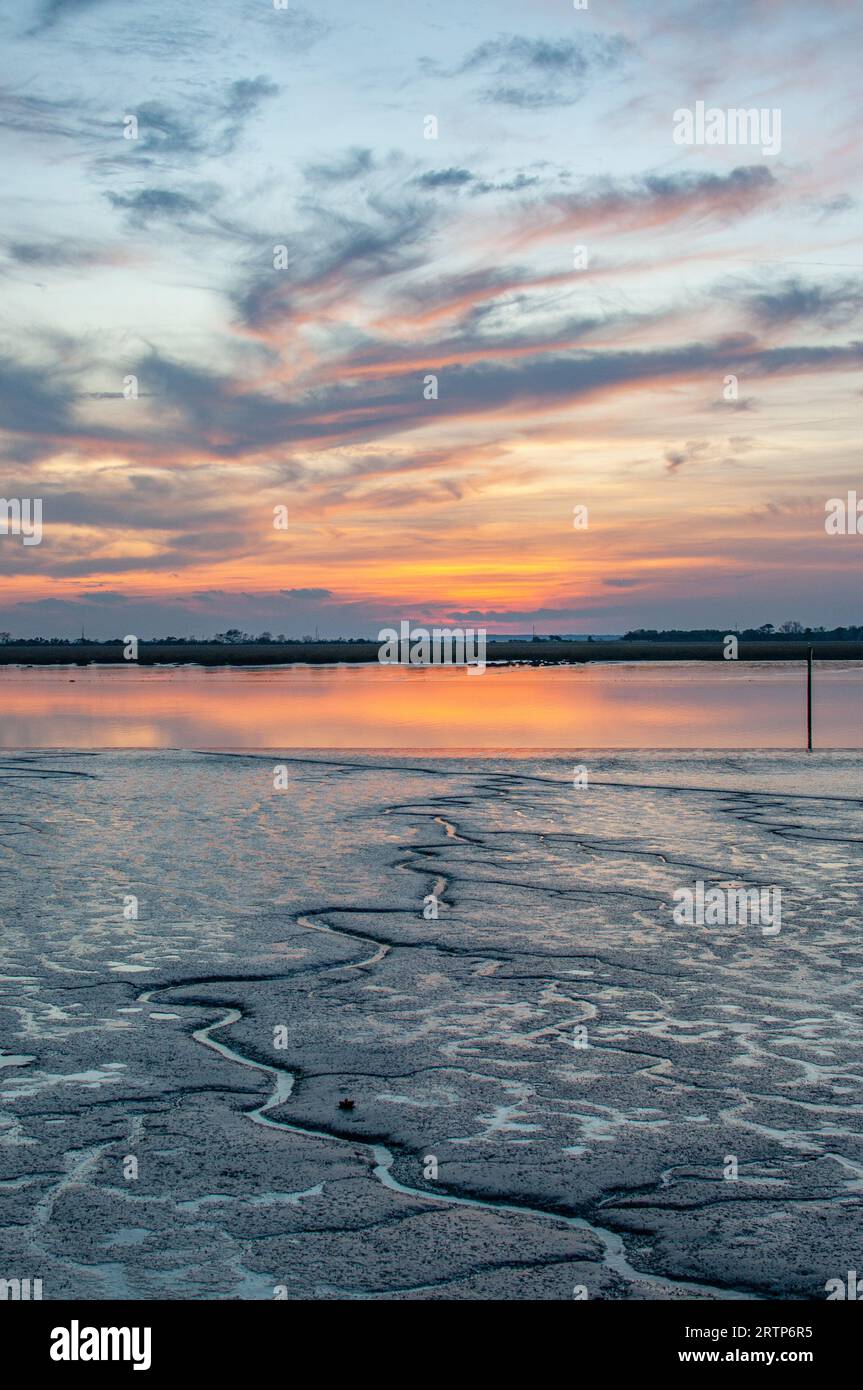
x=657, y=705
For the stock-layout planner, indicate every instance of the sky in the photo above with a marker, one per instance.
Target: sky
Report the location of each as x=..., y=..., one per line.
x=430, y=277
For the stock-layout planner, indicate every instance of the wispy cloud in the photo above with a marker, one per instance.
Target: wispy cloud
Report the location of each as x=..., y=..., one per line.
x=539, y=305
x=536, y=73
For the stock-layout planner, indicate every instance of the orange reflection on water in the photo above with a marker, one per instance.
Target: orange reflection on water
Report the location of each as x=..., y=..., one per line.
x=644, y=705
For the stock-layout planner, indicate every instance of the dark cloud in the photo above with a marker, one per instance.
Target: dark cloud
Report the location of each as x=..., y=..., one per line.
x=31, y=401
x=827, y=359
x=113, y=613
x=474, y=294
x=832, y=207
x=56, y=254
x=346, y=252
x=694, y=451
x=120, y=507
x=207, y=413
x=513, y=615
x=307, y=593
x=683, y=195
x=58, y=119
x=388, y=236
x=164, y=131
x=709, y=451
x=210, y=127
x=243, y=100
x=463, y=178
x=53, y=11
x=445, y=178
x=193, y=210
x=514, y=185
x=150, y=204
x=351, y=165
x=828, y=305
x=247, y=94
x=539, y=73
x=212, y=413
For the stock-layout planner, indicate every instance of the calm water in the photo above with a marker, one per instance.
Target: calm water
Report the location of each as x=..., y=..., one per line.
x=644, y=705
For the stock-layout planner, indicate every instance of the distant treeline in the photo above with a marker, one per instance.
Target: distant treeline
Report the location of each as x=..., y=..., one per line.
x=342, y=651
x=767, y=633
x=233, y=637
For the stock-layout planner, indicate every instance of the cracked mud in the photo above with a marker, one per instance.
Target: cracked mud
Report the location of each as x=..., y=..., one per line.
x=558, y=1167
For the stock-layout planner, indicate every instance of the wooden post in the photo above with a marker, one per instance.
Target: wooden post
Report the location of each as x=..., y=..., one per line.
x=809, y=700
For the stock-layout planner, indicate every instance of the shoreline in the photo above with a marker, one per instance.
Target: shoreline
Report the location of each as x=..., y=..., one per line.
x=503, y=653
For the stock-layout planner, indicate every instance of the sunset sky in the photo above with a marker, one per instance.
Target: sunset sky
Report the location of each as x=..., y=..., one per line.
x=304, y=386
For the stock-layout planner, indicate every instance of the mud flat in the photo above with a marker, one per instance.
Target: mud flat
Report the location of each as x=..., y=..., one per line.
x=549, y=1078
